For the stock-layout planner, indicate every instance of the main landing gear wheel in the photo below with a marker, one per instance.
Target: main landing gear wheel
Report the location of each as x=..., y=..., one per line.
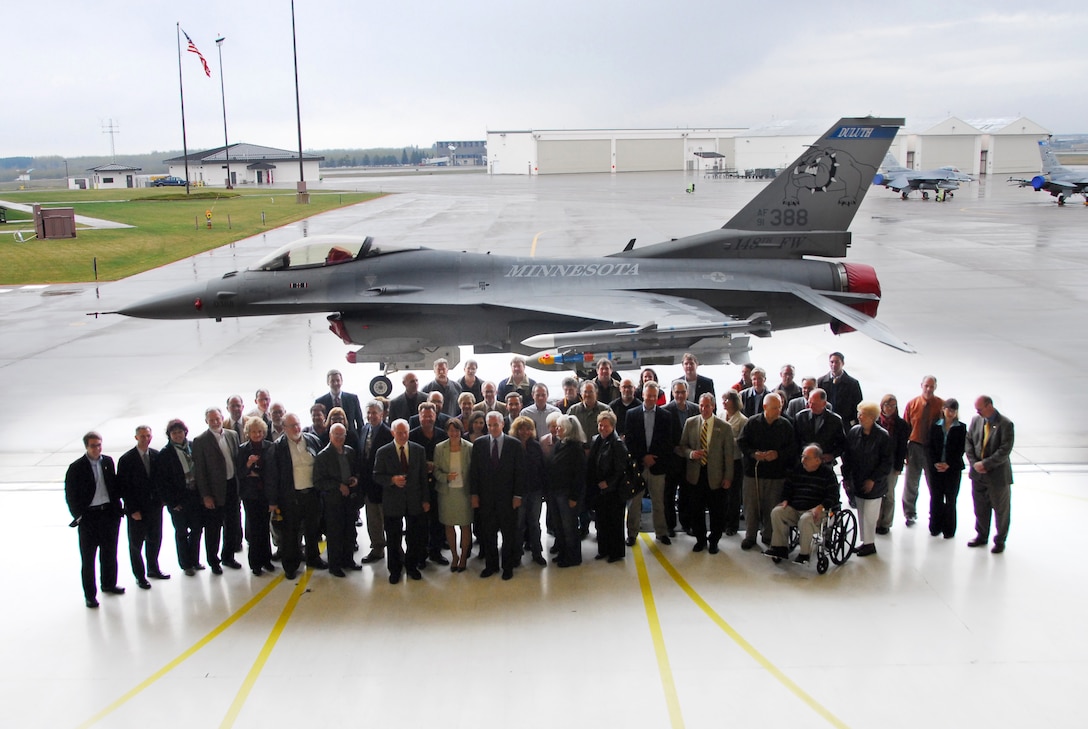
x=925, y=195
x=381, y=386
x=903, y=195
x=844, y=535
x=1061, y=200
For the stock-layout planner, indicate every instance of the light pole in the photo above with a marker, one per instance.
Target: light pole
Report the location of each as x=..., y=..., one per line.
x=223, y=96
x=302, y=196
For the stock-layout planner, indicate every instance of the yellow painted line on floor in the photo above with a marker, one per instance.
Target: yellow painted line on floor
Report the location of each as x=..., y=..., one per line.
x=266, y=651
x=676, y=719
x=739, y=639
x=184, y=656
x=532, y=249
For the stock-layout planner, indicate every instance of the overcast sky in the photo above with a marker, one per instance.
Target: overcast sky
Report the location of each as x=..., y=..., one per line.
x=414, y=72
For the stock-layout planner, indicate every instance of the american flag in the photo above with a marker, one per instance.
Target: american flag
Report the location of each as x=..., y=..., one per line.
x=193, y=49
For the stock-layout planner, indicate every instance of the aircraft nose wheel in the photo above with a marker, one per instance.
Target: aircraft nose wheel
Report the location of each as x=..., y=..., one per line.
x=381, y=386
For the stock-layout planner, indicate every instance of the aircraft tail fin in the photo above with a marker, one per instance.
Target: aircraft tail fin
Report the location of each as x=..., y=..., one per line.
x=806, y=209
x=1051, y=165
x=891, y=164
x=823, y=188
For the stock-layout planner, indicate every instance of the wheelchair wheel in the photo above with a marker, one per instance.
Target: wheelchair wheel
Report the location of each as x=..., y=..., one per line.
x=795, y=539
x=844, y=534
x=821, y=563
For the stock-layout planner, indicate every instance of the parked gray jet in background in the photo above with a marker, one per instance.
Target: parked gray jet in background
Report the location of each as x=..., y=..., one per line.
x=706, y=293
x=942, y=180
x=1060, y=182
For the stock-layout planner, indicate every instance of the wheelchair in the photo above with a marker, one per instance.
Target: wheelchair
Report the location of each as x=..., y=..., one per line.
x=833, y=540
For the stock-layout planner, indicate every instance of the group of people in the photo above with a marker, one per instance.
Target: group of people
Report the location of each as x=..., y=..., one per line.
x=438, y=464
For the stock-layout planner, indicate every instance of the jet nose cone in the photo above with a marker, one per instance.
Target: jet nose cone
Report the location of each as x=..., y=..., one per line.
x=186, y=303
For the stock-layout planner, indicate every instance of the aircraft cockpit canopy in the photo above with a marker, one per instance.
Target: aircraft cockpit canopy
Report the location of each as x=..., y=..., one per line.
x=317, y=251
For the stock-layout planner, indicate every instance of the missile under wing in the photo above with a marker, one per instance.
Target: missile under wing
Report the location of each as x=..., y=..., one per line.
x=708, y=293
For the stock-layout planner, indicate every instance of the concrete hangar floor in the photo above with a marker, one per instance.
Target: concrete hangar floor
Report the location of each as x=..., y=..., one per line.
x=989, y=287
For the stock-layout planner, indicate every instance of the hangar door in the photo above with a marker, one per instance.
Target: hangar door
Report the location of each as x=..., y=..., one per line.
x=649, y=155
x=955, y=150
x=574, y=155
x=1014, y=154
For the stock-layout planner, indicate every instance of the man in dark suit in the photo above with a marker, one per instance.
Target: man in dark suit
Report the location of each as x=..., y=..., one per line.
x=651, y=438
x=337, y=398
x=401, y=469
x=374, y=435
x=406, y=404
x=215, y=453
x=817, y=424
x=498, y=474
x=697, y=384
x=843, y=391
x=299, y=503
x=677, y=491
x=94, y=500
x=143, y=507
x=336, y=476
x=990, y=440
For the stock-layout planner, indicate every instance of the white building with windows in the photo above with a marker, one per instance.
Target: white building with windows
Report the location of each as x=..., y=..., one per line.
x=113, y=176
x=249, y=164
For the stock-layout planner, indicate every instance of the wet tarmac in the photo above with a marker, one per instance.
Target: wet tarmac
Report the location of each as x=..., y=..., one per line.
x=989, y=287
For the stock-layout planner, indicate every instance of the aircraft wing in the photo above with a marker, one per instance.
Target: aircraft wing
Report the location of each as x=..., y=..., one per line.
x=659, y=316
x=897, y=182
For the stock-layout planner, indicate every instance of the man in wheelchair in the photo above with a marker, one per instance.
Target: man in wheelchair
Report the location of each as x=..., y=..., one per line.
x=809, y=492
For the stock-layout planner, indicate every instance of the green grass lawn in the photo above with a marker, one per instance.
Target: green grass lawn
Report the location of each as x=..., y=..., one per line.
x=168, y=227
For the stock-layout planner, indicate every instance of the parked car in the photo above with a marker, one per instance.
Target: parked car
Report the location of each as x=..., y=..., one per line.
x=168, y=182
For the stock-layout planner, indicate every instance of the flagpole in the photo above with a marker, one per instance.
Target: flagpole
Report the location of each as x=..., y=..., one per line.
x=181, y=93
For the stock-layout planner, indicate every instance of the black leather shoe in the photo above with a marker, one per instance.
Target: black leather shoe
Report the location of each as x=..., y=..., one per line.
x=507, y=574
x=91, y=602
x=713, y=548
x=747, y=544
x=158, y=576
x=268, y=567
x=233, y=564
x=699, y=547
x=394, y=578
x=198, y=567
x=631, y=541
x=976, y=542
x=865, y=550
x=217, y=570
x=539, y=559
x=882, y=530
x=355, y=567
x=143, y=584
x=115, y=590
x=664, y=540
x=801, y=559
x=487, y=572
x=414, y=574
x=336, y=572
x=190, y=572
x=257, y=572
x=777, y=552
x=998, y=548
x=613, y=560
x=318, y=564
x=372, y=557
x=290, y=574
x=437, y=558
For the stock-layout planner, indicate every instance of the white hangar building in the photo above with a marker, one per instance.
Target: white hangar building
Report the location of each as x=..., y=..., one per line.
x=978, y=146
x=250, y=164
